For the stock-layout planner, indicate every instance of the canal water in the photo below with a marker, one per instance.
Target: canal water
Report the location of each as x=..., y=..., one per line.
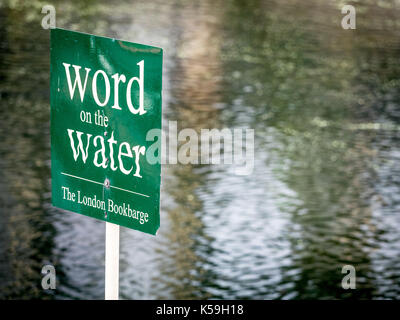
x=325, y=190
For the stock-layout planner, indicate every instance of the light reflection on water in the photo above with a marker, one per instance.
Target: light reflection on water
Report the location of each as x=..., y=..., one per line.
x=324, y=191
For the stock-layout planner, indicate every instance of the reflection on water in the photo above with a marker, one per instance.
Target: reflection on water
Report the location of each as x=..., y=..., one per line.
x=324, y=103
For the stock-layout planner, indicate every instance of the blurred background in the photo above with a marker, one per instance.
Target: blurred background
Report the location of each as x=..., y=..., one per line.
x=325, y=190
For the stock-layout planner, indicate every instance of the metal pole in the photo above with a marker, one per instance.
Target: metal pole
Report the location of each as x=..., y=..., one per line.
x=112, y=261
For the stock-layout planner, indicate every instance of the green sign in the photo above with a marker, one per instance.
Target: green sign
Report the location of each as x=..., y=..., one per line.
x=105, y=98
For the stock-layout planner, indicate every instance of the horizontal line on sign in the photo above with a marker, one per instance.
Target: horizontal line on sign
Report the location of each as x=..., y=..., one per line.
x=102, y=184
x=70, y=175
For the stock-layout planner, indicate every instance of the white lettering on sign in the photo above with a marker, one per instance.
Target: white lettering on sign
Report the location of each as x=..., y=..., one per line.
x=117, y=79
x=124, y=151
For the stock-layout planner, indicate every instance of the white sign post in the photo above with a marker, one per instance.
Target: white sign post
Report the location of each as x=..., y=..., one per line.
x=112, y=261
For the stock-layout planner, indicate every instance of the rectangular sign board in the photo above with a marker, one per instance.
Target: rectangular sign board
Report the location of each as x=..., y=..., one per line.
x=105, y=97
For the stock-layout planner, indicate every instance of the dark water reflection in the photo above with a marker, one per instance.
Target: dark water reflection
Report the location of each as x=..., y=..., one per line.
x=324, y=103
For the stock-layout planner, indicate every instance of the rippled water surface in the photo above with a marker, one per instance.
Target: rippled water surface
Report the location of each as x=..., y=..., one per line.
x=325, y=190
